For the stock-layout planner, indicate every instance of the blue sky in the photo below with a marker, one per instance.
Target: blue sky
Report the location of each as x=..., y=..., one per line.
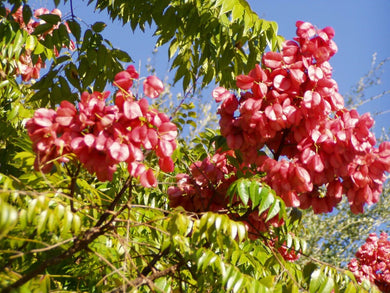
x=362, y=29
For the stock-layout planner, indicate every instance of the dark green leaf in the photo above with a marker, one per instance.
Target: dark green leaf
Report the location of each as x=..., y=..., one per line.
x=75, y=29
x=50, y=18
x=27, y=13
x=64, y=35
x=121, y=55
x=42, y=28
x=98, y=26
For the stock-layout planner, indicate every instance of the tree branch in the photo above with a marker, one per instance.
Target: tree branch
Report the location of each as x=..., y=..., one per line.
x=79, y=244
x=142, y=280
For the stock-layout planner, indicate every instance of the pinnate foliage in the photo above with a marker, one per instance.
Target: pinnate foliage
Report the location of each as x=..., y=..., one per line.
x=207, y=39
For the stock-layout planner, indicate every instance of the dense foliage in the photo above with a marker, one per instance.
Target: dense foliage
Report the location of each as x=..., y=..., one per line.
x=98, y=193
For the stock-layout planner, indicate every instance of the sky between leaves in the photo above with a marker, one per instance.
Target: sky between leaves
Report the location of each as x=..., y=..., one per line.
x=362, y=29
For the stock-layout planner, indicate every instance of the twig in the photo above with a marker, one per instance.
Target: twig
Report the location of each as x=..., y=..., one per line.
x=80, y=243
x=142, y=280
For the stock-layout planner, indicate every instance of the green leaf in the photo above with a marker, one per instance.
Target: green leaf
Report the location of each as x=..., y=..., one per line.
x=350, y=288
x=75, y=29
x=243, y=190
x=27, y=13
x=121, y=55
x=13, y=113
x=64, y=35
x=308, y=269
x=4, y=83
x=273, y=210
x=8, y=218
x=232, y=190
x=76, y=224
x=50, y=18
x=42, y=220
x=31, y=42
x=42, y=28
x=39, y=49
x=66, y=93
x=316, y=280
x=254, y=193
x=266, y=199
x=173, y=48
x=327, y=285
x=268, y=281
x=98, y=26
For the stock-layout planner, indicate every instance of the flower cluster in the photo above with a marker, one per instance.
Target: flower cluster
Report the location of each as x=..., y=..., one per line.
x=100, y=136
x=26, y=67
x=292, y=107
x=205, y=188
x=372, y=261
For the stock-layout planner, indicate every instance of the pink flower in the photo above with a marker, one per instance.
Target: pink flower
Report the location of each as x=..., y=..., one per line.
x=153, y=87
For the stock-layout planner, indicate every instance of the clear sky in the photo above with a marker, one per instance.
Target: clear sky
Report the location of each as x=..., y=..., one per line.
x=362, y=29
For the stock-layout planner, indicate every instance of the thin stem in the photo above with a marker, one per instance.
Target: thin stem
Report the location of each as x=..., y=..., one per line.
x=80, y=243
x=281, y=145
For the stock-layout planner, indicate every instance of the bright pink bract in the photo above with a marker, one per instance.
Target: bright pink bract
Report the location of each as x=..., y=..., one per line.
x=100, y=136
x=292, y=107
x=372, y=261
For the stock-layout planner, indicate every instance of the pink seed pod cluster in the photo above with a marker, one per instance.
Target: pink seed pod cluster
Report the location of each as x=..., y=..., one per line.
x=100, y=136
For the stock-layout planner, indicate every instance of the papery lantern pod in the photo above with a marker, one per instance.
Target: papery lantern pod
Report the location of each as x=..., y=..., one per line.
x=168, y=131
x=89, y=140
x=275, y=113
x=311, y=99
x=329, y=31
x=234, y=141
x=305, y=30
x=148, y=179
x=119, y=151
x=297, y=75
x=315, y=73
x=66, y=113
x=104, y=172
x=41, y=11
x=166, y=164
x=272, y=60
x=244, y=82
x=250, y=106
x=230, y=104
x=144, y=106
x=165, y=148
x=135, y=169
x=220, y=93
x=123, y=80
x=259, y=90
x=282, y=83
x=132, y=71
x=151, y=139
x=138, y=134
x=44, y=117
x=135, y=153
x=153, y=87
x=301, y=179
x=131, y=110
x=101, y=140
x=258, y=74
